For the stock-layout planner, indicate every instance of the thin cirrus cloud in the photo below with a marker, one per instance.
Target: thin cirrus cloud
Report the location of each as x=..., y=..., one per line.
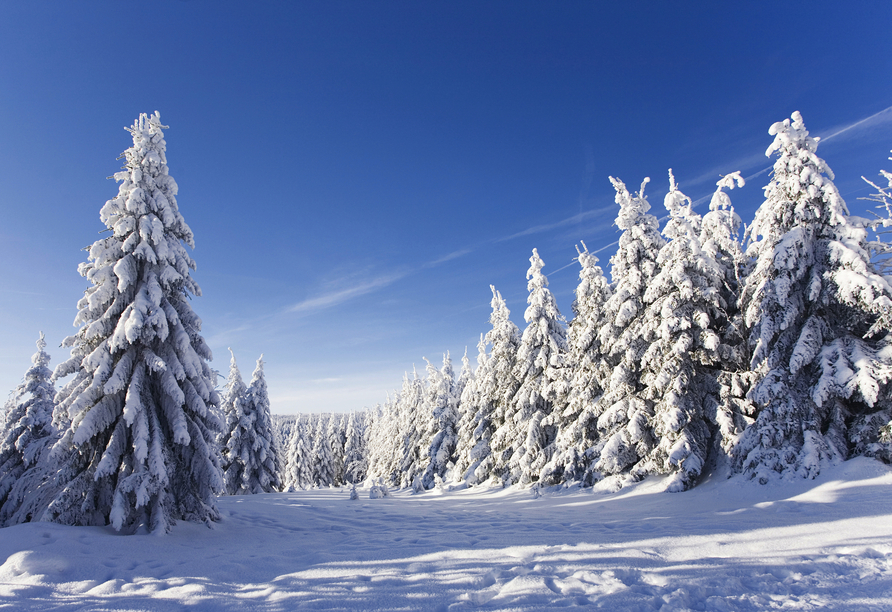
x=857, y=128
x=339, y=296
x=347, y=293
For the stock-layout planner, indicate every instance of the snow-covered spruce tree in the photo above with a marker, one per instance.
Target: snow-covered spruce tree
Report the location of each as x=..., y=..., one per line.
x=577, y=383
x=232, y=403
x=250, y=461
x=441, y=435
x=355, y=454
x=412, y=454
x=299, y=463
x=27, y=433
x=623, y=415
x=337, y=426
x=811, y=304
x=140, y=446
x=495, y=385
x=381, y=433
x=522, y=443
x=720, y=241
x=685, y=309
x=283, y=429
x=322, y=454
x=467, y=409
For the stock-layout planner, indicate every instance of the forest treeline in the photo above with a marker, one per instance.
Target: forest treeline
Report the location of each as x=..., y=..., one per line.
x=767, y=353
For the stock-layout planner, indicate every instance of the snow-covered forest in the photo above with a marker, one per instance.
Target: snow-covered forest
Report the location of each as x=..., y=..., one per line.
x=760, y=348
x=763, y=349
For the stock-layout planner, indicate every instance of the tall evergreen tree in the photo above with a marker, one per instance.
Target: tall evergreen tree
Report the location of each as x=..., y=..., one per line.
x=251, y=461
x=355, y=450
x=232, y=404
x=720, y=241
x=686, y=309
x=443, y=406
x=813, y=305
x=412, y=456
x=522, y=443
x=335, y=431
x=578, y=380
x=467, y=406
x=140, y=445
x=495, y=385
x=27, y=433
x=323, y=459
x=623, y=415
x=299, y=463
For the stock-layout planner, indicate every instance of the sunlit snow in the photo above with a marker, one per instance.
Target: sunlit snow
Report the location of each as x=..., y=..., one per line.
x=824, y=544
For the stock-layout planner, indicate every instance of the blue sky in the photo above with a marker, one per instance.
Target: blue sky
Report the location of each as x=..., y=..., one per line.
x=357, y=174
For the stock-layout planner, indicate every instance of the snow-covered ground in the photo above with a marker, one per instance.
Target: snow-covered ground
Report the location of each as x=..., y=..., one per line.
x=726, y=545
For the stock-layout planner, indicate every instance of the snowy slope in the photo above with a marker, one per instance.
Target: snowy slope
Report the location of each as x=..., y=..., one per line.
x=726, y=545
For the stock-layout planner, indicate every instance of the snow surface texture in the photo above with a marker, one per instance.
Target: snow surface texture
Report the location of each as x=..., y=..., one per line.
x=824, y=544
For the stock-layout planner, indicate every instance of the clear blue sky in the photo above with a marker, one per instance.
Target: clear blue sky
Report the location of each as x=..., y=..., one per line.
x=357, y=174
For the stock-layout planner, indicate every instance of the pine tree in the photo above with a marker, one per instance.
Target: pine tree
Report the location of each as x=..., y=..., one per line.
x=720, y=241
x=355, y=452
x=412, y=459
x=335, y=431
x=140, y=445
x=381, y=434
x=443, y=407
x=522, y=443
x=299, y=463
x=322, y=456
x=813, y=306
x=576, y=384
x=623, y=415
x=467, y=407
x=251, y=461
x=495, y=385
x=233, y=406
x=26, y=435
x=685, y=306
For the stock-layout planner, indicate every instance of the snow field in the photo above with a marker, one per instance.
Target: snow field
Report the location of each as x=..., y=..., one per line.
x=726, y=545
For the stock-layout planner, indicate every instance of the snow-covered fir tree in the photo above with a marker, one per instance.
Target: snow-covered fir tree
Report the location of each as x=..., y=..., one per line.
x=467, y=411
x=232, y=402
x=381, y=432
x=577, y=382
x=494, y=388
x=720, y=241
x=811, y=304
x=322, y=455
x=522, y=444
x=250, y=460
x=412, y=455
x=442, y=406
x=623, y=415
x=299, y=462
x=337, y=425
x=27, y=433
x=355, y=452
x=139, y=445
x=685, y=308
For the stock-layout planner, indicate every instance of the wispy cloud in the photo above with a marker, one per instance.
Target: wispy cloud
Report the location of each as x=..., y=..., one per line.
x=339, y=296
x=449, y=257
x=538, y=229
x=713, y=174
x=851, y=130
